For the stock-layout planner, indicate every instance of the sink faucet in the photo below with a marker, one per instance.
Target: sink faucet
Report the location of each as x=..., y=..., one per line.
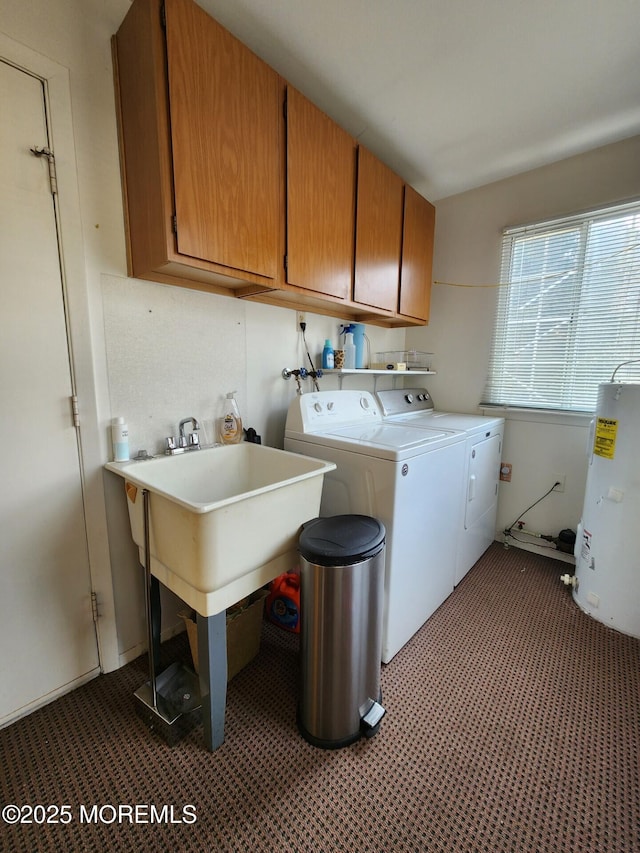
x=194, y=425
x=184, y=442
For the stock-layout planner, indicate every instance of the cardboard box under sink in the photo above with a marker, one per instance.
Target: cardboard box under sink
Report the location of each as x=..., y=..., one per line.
x=244, y=627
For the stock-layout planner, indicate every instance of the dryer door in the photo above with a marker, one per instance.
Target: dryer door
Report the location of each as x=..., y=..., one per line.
x=484, y=467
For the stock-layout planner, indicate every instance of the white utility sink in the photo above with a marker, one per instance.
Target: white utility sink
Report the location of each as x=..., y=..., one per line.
x=224, y=520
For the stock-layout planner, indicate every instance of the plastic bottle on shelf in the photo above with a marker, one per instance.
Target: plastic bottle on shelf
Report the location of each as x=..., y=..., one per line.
x=120, y=440
x=358, y=340
x=327, y=356
x=230, y=422
x=349, y=351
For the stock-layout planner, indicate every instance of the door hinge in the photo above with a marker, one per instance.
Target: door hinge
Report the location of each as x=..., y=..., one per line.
x=51, y=160
x=286, y=263
x=94, y=606
x=163, y=16
x=75, y=415
x=284, y=108
x=174, y=224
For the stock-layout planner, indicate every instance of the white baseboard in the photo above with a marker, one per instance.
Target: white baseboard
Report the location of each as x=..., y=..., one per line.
x=140, y=648
x=14, y=716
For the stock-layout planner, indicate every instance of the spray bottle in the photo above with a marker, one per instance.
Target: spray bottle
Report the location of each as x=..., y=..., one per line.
x=356, y=332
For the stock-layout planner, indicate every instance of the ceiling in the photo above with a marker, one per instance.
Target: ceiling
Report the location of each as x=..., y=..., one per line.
x=454, y=94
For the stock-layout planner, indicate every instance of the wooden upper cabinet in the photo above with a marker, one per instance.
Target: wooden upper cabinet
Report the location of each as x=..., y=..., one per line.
x=202, y=141
x=417, y=256
x=219, y=187
x=320, y=200
x=378, y=233
x=225, y=123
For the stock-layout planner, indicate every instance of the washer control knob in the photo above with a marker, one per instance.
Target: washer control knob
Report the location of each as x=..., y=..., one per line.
x=330, y=405
x=364, y=402
x=408, y=398
x=317, y=407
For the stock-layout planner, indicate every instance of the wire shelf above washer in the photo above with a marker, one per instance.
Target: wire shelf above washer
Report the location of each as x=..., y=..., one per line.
x=341, y=372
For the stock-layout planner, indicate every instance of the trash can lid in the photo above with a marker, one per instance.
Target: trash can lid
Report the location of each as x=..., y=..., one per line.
x=341, y=539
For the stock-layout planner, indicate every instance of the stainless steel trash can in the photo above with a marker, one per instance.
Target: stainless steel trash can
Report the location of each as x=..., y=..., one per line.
x=341, y=601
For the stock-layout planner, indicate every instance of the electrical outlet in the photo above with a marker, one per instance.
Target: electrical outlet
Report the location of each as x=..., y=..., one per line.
x=505, y=472
x=559, y=478
x=301, y=317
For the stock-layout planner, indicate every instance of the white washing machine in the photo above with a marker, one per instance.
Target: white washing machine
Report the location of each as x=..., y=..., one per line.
x=407, y=477
x=479, y=485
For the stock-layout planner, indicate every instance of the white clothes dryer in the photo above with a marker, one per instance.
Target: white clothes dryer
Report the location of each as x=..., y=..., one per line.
x=479, y=485
x=406, y=476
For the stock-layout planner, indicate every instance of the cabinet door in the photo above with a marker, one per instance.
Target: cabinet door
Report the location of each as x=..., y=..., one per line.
x=378, y=233
x=417, y=255
x=225, y=131
x=320, y=200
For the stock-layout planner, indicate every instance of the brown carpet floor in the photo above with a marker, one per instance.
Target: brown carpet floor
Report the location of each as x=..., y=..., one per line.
x=513, y=724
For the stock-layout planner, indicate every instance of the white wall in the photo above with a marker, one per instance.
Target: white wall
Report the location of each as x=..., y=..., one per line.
x=467, y=252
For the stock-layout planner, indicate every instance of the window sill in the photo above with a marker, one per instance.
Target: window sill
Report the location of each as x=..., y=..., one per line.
x=543, y=416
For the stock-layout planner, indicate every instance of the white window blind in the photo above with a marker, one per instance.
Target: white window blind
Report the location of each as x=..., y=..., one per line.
x=568, y=311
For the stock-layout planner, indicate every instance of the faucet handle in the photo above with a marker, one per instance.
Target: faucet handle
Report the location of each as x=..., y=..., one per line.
x=170, y=443
x=194, y=440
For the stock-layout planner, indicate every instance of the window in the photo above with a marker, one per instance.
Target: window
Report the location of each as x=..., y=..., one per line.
x=569, y=311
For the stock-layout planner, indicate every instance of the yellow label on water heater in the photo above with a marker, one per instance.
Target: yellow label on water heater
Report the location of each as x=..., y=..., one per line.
x=605, y=438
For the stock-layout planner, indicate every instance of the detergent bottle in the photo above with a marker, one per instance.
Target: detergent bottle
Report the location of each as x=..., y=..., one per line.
x=327, y=356
x=282, y=606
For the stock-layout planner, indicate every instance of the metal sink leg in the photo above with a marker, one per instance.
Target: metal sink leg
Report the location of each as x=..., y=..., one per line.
x=212, y=657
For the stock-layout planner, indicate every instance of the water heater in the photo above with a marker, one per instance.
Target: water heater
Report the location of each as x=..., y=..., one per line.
x=606, y=550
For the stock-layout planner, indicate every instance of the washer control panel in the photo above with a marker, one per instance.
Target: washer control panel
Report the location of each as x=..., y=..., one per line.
x=324, y=410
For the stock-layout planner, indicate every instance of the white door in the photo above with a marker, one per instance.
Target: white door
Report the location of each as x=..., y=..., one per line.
x=484, y=467
x=47, y=634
